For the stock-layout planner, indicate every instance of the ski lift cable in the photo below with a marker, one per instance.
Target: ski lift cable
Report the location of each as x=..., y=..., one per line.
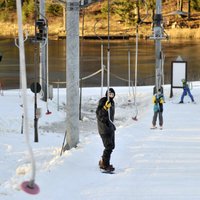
x=136, y=58
x=42, y=46
x=108, y=60
x=20, y=86
x=95, y=73
x=162, y=67
x=28, y=186
x=17, y=45
x=47, y=86
x=102, y=65
x=47, y=43
x=84, y=78
x=126, y=80
x=136, y=69
x=26, y=37
x=95, y=30
x=91, y=75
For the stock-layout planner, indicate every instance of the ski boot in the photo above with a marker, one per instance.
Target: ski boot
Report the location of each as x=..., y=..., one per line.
x=154, y=127
x=107, y=168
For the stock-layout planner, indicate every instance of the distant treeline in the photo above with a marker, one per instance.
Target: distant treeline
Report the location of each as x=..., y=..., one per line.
x=9, y=6
x=129, y=11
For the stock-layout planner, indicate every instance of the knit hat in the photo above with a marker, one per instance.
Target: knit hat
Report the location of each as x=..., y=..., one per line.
x=183, y=80
x=111, y=90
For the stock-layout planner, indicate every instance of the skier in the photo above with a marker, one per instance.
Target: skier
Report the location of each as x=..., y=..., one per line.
x=158, y=100
x=186, y=90
x=105, y=116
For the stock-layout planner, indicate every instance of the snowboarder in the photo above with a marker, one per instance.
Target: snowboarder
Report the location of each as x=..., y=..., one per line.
x=186, y=90
x=105, y=116
x=158, y=100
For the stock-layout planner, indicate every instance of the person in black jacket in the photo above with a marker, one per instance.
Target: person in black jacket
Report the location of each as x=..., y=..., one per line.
x=105, y=116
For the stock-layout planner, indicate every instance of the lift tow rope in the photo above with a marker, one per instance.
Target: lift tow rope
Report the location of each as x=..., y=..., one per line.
x=27, y=186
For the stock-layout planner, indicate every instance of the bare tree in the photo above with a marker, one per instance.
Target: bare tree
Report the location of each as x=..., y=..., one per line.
x=151, y=6
x=189, y=9
x=137, y=10
x=180, y=5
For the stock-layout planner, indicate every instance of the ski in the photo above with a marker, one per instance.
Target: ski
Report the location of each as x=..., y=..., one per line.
x=134, y=118
x=156, y=128
x=184, y=103
x=153, y=128
x=106, y=171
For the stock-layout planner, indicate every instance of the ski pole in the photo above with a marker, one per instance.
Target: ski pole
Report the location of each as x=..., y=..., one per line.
x=22, y=126
x=62, y=149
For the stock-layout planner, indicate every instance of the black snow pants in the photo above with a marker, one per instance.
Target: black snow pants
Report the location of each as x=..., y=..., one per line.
x=109, y=144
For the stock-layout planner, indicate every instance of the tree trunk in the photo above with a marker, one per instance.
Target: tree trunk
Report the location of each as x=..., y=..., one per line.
x=138, y=11
x=181, y=5
x=178, y=5
x=189, y=9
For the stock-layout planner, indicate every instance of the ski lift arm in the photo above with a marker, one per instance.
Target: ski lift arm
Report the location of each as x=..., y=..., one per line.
x=26, y=37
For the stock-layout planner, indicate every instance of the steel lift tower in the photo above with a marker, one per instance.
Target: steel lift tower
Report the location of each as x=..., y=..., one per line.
x=158, y=35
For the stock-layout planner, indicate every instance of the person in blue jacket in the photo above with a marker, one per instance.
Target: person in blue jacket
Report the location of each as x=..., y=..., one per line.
x=186, y=90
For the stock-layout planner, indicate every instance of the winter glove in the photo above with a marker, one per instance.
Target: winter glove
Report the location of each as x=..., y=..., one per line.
x=162, y=101
x=154, y=99
x=114, y=127
x=107, y=105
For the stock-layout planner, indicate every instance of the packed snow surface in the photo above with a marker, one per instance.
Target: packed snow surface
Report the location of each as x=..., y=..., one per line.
x=150, y=164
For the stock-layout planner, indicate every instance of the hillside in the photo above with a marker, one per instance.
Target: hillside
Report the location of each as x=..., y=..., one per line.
x=175, y=25
x=96, y=24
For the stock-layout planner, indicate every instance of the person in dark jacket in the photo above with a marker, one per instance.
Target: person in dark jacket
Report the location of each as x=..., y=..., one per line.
x=105, y=116
x=186, y=90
